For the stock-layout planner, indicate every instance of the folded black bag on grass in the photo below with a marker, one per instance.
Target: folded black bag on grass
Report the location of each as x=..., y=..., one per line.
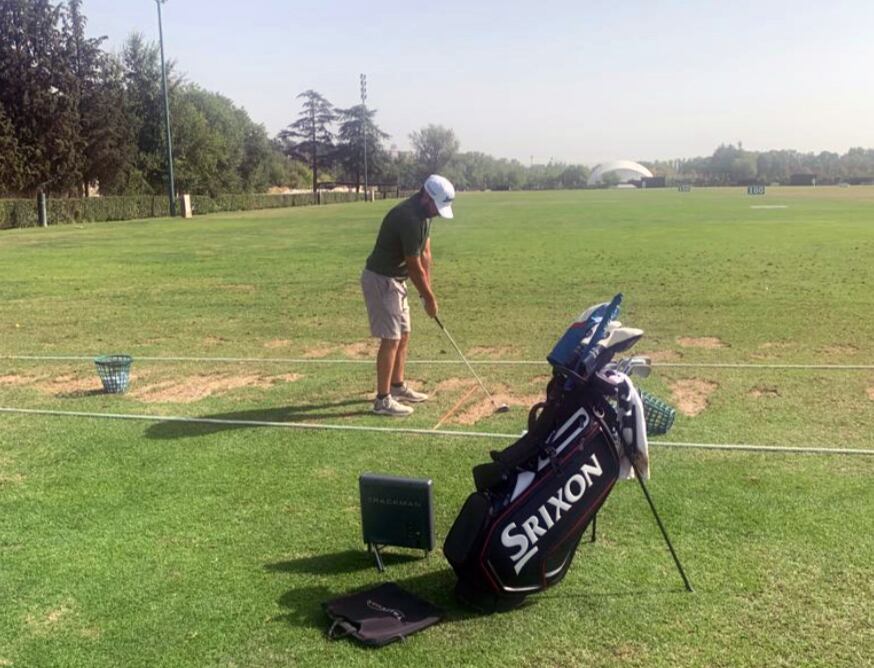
x=380, y=615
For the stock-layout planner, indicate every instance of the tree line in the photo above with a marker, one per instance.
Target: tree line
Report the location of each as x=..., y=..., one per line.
x=74, y=116
x=730, y=165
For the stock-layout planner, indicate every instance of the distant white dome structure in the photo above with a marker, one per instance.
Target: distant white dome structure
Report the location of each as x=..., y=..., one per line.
x=626, y=170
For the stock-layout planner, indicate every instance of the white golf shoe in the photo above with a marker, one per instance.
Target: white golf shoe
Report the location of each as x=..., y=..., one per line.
x=390, y=406
x=408, y=395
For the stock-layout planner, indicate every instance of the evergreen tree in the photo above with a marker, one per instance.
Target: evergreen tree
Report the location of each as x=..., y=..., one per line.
x=310, y=137
x=358, y=130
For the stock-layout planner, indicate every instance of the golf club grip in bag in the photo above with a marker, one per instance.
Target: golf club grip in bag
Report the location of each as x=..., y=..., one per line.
x=518, y=533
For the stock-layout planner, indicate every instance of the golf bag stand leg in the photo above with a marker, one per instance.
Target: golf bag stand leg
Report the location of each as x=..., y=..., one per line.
x=374, y=549
x=661, y=526
x=594, y=524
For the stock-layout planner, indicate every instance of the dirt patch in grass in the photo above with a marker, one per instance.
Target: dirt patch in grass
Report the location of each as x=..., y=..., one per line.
x=763, y=391
x=708, y=342
x=361, y=350
x=775, y=345
x=452, y=384
x=214, y=340
x=490, y=352
x=318, y=351
x=839, y=350
x=664, y=356
x=195, y=388
x=870, y=392
x=14, y=379
x=691, y=395
x=479, y=407
x=277, y=343
x=10, y=478
x=286, y=378
x=44, y=623
x=66, y=385
x=73, y=385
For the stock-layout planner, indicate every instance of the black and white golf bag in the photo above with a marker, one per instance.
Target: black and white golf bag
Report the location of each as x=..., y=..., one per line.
x=517, y=534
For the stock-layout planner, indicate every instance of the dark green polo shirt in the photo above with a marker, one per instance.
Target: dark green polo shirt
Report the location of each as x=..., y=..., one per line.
x=403, y=233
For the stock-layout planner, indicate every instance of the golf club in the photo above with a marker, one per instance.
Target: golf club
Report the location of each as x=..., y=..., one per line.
x=503, y=408
x=635, y=366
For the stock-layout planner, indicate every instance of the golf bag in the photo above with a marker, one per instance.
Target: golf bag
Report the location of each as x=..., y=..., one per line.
x=518, y=533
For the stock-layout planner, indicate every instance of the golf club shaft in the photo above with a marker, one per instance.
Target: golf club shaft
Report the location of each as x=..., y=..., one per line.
x=461, y=355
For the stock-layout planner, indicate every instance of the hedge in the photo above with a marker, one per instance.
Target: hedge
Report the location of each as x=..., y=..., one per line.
x=60, y=211
x=22, y=212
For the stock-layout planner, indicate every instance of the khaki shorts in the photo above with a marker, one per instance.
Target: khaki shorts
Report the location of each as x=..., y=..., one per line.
x=387, y=307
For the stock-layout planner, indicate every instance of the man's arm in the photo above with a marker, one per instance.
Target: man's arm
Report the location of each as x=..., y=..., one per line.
x=422, y=280
x=426, y=259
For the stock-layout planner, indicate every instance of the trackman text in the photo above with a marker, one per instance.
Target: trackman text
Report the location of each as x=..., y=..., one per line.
x=550, y=513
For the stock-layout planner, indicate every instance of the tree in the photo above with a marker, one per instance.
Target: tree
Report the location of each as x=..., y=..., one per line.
x=38, y=96
x=144, y=109
x=208, y=139
x=10, y=157
x=356, y=124
x=107, y=143
x=574, y=176
x=313, y=130
x=434, y=147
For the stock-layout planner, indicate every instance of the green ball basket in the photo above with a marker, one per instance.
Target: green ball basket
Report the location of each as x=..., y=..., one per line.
x=114, y=372
x=659, y=415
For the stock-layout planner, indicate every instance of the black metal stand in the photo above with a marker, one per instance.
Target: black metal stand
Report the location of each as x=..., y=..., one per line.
x=594, y=524
x=661, y=526
x=374, y=549
x=626, y=438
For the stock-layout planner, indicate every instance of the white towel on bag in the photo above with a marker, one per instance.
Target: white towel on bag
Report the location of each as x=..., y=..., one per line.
x=641, y=447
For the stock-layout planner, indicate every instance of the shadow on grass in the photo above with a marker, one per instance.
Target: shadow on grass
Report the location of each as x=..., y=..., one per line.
x=304, y=604
x=78, y=394
x=173, y=429
x=349, y=561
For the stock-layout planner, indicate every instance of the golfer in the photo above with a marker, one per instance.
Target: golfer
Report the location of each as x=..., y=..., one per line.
x=402, y=250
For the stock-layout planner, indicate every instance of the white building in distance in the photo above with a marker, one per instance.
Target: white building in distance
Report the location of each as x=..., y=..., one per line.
x=626, y=170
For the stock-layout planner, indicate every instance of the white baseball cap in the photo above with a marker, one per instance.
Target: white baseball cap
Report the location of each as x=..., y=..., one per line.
x=442, y=192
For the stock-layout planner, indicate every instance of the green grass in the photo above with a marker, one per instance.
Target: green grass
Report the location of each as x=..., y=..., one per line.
x=143, y=544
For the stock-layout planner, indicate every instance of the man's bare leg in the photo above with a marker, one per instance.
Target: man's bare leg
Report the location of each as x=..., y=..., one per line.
x=385, y=363
x=397, y=376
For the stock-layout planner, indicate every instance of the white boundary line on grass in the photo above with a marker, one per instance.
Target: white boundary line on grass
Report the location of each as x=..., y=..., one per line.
x=308, y=360
x=410, y=430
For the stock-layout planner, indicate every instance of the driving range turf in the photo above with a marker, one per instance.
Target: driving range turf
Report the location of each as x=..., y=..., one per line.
x=146, y=543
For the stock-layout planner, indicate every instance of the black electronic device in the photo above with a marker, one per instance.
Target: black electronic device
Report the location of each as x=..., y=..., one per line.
x=396, y=511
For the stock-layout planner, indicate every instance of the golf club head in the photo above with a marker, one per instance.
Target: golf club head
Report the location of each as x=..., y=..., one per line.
x=639, y=366
x=634, y=366
x=503, y=408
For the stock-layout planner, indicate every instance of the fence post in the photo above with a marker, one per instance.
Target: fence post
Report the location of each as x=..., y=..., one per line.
x=41, y=216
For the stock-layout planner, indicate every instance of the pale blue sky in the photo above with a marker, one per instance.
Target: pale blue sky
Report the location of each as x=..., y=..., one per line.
x=573, y=81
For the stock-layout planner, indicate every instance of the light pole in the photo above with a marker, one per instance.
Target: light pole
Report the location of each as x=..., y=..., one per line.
x=364, y=127
x=172, y=183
